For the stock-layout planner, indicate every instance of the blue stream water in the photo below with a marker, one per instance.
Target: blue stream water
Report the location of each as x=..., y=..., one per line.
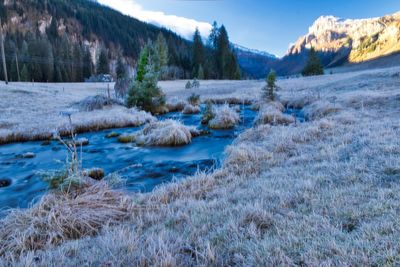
x=143, y=168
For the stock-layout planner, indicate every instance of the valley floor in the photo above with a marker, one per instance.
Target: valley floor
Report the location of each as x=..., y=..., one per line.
x=35, y=111
x=324, y=192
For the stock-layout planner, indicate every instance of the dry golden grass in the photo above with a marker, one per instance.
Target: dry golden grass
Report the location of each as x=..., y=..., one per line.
x=60, y=217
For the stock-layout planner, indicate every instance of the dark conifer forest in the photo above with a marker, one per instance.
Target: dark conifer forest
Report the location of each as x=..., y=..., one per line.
x=71, y=40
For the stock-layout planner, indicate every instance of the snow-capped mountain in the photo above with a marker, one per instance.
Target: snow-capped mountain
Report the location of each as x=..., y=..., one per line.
x=253, y=51
x=254, y=63
x=358, y=39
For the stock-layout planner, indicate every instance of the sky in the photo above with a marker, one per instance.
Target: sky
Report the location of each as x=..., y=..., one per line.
x=267, y=25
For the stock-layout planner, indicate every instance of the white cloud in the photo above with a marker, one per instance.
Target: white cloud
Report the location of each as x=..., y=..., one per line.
x=182, y=26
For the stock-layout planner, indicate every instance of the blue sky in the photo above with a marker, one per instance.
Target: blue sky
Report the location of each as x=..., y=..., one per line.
x=269, y=25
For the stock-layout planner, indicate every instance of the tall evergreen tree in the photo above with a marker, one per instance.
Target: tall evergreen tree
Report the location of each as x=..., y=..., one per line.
x=25, y=77
x=57, y=74
x=65, y=57
x=144, y=60
x=78, y=64
x=121, y=68
x=313, y=66
x=198, y=53
x=213, y=37
x=200, y=73
x=42, y=67
x=14, y=70
x=52, y=30
x=87, y=63
x=144, y=92
x=223, y=48
x=161, y=49
x=228, y=67
x=103, y=65
x=269, y=90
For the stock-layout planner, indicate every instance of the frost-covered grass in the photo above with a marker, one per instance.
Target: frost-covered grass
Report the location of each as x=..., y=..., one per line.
x=34, y=112
x=320, y=109
x=175, y=104
x=272, y=113
x=116, y=117
x=321, y=193
x=164, y=133
x=190, y=109
x=219, y=92
x=225, y=118
x=60, y=217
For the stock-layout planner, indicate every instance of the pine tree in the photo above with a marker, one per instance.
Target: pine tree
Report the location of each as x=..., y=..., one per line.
x=161, y=49
x=144, y=92
x=269, y=91
x=57, y=74
x=198, y=53
x=103, y=65
x=25, y=74
x=78, y=64
x=144, y=60
x=200, y=73
x=213, y=37
x=313, y=66
x=14, y=71
x=121, y=68
x=210, y=64
x=228, y=67
x=65, y=55
x=52, y=30
x=87, y=64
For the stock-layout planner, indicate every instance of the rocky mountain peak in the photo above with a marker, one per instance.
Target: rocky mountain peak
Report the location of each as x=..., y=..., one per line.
x=357, y=39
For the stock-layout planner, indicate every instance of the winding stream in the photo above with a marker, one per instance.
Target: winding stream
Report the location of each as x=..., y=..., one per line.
x=143, y=168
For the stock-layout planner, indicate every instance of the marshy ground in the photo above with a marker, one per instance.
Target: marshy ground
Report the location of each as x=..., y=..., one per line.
x=323, y=192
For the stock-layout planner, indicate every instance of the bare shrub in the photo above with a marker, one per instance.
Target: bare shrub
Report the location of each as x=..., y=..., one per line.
x=121, y=87
x=91, y=103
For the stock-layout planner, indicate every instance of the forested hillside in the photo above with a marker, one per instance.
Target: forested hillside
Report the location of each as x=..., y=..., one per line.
x=60, y=40
x=63, y=40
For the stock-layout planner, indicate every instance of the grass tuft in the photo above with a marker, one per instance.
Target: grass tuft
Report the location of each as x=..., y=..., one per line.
x=224, y=118
x=271, y=113
x=164, y=133
x=126, y=139
x=190, y=109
